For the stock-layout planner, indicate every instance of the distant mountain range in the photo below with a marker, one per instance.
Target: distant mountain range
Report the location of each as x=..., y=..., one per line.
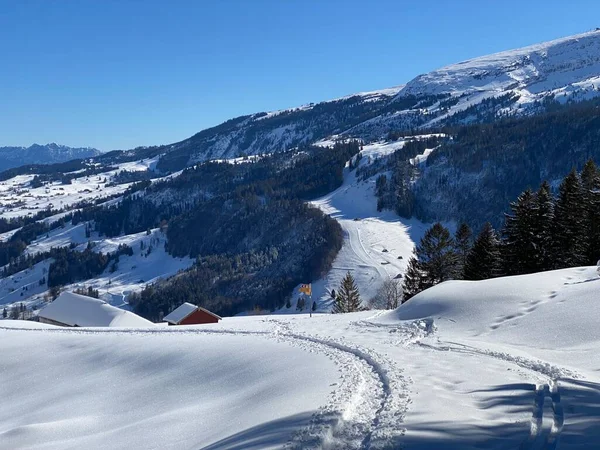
x=42, y=154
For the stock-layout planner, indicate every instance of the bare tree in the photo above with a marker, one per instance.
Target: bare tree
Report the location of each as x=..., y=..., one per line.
x=389, y=295
x=15, y=312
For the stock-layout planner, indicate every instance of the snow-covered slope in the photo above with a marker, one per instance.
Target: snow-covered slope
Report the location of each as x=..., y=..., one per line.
x=149, y=262
x=499, y=364
x=155, y=390
x=276, y=131
x=377, y=244
x=529, y=71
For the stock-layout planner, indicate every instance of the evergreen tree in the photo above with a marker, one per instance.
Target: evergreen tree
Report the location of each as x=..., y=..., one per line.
x=519, y=249
x=542, y=233
x=462, y=245
x=434, y=261
x=569, y=227
x=4, y=313
x=484, y=259
x=413, y=279
x=436, y=255
x=590, y=180
x=348, y=297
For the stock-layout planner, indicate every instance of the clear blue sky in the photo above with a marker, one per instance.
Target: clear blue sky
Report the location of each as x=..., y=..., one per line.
x=117, y=74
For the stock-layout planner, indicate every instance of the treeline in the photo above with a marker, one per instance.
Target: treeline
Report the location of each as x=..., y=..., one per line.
x=12, y=248
x=542, y=232
x=259, y=133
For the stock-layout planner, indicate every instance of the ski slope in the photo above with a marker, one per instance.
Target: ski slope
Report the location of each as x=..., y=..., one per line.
x=377, y=245
x=498, y=364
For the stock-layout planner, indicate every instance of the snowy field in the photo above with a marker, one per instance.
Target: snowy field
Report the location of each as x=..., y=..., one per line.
x=18, y=198
x=499, y=364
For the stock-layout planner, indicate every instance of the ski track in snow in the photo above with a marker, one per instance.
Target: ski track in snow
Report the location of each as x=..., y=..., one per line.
x=364, y=411
x=543, y=434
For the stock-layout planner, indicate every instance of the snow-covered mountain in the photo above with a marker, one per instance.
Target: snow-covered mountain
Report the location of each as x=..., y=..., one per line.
x=276, y=131
x=42, y=154
x=552, y=67
x=515, y=82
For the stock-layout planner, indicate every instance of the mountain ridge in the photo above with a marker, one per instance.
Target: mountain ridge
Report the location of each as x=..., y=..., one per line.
x=15, y=156
x=509, y=83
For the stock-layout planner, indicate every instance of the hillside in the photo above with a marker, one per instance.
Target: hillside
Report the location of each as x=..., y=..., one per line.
x=512, y=83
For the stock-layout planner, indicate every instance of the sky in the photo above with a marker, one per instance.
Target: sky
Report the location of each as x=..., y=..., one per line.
x=120, y=74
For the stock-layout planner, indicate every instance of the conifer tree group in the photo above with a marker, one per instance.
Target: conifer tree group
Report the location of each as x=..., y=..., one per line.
x=540, y=233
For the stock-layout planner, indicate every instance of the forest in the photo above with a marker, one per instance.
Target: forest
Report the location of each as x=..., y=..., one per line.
x=474, y=174
x=247, y=225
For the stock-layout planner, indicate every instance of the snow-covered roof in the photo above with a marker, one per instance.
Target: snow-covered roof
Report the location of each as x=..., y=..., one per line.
x=180, y=313
x=80, y=310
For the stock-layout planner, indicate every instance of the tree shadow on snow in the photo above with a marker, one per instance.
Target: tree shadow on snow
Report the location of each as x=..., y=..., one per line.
x=577, y=403
x=272, y=434
x=510, y=406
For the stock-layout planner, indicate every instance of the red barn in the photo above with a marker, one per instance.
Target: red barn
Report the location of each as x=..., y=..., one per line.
x=188, y=314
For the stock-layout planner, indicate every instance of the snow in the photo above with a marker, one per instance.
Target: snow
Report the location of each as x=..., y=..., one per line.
x=18, y=198
x=421, y=158
x=156, y=389
x=132, y=273
x=565, y=68
x=367, y=96
x=59, y=237
x=149, y=263
x=180, y=313
x=377, y=245
x=503, y=363
x=82, y=311
x=556, y=61
x=22, y=286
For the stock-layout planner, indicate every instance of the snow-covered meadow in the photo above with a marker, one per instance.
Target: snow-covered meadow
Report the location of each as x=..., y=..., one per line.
x=497, y=364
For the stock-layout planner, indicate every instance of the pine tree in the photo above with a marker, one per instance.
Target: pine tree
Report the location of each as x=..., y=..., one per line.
x=484, y=259
x=542, y=232
x=590, y=180
x=434, y=261
x=569, y=227
x=436, y=255
x=519, y=248
x=348, y=297
x=413, y=279
x=462, y=245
